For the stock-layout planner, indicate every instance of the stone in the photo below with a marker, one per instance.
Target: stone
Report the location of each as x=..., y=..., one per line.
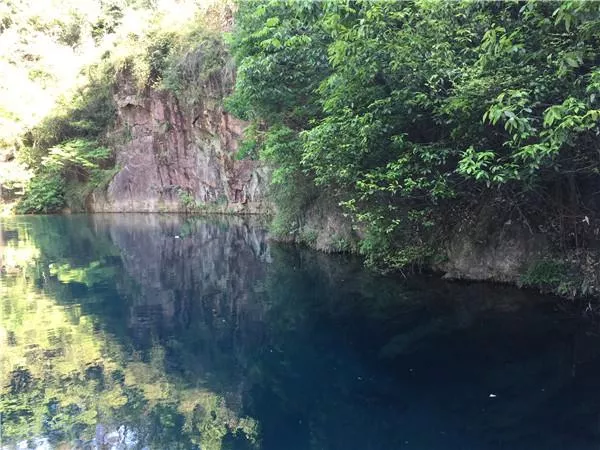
x=178, y=150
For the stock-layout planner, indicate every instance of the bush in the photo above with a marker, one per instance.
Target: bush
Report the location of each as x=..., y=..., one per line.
x=177, y=59
x=44, y=194
x=72, y=162
x=424, y=107
x=556, y=276
x=85, y=115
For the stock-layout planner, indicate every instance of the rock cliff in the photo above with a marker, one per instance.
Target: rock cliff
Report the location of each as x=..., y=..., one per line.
x=177, y=153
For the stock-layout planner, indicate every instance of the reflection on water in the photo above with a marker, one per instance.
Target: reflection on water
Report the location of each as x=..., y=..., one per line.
x=167, y=332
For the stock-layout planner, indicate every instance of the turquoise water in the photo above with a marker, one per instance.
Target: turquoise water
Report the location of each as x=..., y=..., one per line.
x=167, y=332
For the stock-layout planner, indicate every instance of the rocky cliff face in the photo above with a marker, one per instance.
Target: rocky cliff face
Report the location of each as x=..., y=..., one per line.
x=476, y=248
x=503, y=255
x=178, y=154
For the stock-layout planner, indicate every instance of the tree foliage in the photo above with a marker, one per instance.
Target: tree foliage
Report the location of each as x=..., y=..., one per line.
x=401, y=110
x=70, y=161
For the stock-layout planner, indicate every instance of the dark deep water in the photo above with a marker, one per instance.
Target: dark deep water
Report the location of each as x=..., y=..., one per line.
x=167, y=332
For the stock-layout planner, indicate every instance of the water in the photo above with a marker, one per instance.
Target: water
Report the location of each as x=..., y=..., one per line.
x=166, y=332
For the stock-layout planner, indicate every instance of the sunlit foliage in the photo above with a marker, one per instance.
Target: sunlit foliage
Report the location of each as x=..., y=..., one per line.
x=407, y=111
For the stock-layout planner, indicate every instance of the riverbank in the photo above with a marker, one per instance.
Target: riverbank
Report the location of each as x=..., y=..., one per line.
x=473, y=249
x=512, y=255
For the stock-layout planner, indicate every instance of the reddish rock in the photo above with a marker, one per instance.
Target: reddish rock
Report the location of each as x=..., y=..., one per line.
x=177, y=148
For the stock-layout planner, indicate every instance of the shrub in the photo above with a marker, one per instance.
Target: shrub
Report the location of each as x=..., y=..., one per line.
x=556, y=276
x=84, y=115
x=44, y=194
x=76, y=160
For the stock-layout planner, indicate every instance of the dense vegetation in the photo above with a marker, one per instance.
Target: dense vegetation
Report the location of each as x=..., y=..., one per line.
x=417, y=116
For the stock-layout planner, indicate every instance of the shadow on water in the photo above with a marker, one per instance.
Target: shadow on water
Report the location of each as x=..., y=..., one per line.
x=170, y=332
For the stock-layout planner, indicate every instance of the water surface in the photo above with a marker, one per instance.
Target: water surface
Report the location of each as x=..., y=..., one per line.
x=171, y=332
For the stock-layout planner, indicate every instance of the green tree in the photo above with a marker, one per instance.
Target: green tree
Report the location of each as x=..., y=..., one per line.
x=425, y=107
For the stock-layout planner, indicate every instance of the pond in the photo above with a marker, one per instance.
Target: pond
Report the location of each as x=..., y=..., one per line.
x=173, y=332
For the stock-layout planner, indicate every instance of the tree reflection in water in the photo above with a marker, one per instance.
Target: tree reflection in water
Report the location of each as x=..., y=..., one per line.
x=170, y=332
x=70, y=381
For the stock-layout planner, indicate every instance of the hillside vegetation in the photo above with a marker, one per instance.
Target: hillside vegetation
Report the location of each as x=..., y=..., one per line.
x=416, y=116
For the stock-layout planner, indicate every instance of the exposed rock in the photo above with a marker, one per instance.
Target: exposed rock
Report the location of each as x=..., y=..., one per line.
x=502, y=256
x=327, y=228
x=7, y=154
x=180, y=155
x=323, y=226
x=493, y=242
x=477, y=248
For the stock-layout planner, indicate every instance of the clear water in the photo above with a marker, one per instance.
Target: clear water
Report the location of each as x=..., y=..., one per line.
x=167, y=332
